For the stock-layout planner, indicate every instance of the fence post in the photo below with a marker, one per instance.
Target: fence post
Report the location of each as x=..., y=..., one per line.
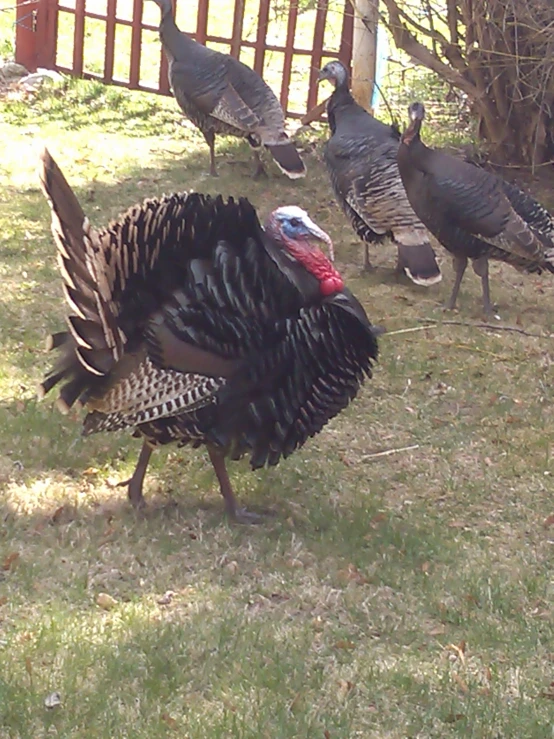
x=364, y=50
x=35, y=34
x=26, y=35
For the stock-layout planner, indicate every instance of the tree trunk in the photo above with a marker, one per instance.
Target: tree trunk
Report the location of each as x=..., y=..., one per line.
x=501, y=55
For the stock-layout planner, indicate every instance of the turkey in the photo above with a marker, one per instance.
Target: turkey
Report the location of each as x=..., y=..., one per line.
x=221, y=95
x=190, y=323
x=473, y=213
x=361, y=160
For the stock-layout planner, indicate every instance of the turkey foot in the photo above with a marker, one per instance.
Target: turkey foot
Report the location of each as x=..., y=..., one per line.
x=240, y=515
x=135, y=482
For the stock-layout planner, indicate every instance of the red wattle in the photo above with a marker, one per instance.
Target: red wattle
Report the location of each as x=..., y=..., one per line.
x=331, y=284
x=315, y=261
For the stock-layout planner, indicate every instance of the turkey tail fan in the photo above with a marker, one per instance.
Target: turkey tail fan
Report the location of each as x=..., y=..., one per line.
x=67, y=214
x=94, y=341
x=287, y=159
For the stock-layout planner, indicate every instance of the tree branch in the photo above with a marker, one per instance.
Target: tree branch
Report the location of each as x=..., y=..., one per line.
x=406, y=41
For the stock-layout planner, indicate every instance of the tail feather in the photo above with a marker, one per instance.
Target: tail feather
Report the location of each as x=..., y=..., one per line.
x=85, y=269
x=288, y=159
x=94, y=342
x=419, y=263
x=54, y=341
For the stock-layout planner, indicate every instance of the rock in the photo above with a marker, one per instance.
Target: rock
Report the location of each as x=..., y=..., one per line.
x=10, y=71
x=38, y=78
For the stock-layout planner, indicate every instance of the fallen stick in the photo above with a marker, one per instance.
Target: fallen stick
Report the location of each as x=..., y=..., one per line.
x=388, y=452
x=488, y=326
x=409, y=330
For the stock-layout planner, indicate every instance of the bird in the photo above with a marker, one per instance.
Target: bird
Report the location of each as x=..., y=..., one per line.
x=473, y=213
x=360, y=156
x=188, y=322
x=221, y=95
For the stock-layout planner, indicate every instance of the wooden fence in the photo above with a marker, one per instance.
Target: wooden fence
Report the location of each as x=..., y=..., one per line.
x=116, y=41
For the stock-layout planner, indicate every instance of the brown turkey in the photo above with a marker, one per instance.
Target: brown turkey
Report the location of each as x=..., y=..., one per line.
x=361, y=160
x=191, y=323
x=221, y=95
x=473, y=213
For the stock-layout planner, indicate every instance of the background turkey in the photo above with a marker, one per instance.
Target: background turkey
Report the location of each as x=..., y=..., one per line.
x=473, y=213
x=361, y=161
x=222, y=95
x=192, y=324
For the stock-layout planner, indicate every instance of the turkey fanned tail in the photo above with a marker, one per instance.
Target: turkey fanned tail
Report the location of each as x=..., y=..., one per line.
x=123, y=388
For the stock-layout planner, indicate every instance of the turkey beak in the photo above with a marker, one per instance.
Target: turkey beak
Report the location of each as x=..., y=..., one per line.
x=322, y=75
x=320, y=235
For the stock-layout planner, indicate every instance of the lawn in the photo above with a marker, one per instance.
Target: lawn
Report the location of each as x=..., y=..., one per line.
x=406, y=594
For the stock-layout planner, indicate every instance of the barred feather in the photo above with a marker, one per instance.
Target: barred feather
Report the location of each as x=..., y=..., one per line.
x=361, y=162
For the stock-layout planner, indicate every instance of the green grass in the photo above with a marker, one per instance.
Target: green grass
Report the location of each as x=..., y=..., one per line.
x=407, y=595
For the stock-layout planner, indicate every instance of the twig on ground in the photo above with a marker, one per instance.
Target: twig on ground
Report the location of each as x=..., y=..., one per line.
x=409, y=330
x=488, y=326
x=476, y=349
x=388, y=452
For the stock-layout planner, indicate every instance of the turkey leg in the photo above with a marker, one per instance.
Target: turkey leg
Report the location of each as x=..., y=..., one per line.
x=260, y=169
x=210, y=140
x=460, y=264
x=481, y=268
x=136, y=481
x=368, y=267
x=240, y=515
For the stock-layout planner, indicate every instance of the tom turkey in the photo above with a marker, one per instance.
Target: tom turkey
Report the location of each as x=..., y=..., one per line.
x=221, y=95
x=473, y=213
x=190, y=323
x=361, y=160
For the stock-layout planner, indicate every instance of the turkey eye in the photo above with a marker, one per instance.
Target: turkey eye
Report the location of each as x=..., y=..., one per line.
x=295, y=222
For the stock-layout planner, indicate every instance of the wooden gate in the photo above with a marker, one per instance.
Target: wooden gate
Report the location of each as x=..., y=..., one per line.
x=116, y=41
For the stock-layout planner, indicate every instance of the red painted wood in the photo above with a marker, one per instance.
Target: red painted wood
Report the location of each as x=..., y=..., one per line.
x=47, y=32
x=136, y=38
x=261, y=34
x=79, y=38
x=27, y=51
x=110, y=40
x=238, y=20
x=317, y=53
x=202, y=22
x=289, y=52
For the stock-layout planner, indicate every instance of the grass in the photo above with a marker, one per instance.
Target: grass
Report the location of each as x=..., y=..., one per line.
x=398, y=596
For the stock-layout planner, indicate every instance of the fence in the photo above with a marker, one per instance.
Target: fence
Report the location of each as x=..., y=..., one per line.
x=116, y=41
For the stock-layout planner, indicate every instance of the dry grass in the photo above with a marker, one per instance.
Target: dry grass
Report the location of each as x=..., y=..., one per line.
x=407, y=595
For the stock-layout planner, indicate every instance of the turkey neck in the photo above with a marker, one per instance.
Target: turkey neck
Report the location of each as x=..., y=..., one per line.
x=341, y=98
x=173, y=39
x=411, y=155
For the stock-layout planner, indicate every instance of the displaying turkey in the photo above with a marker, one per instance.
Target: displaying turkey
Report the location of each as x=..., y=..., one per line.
x=473, y=213
x=361, y=161
x=221, y=95
x=191, y=323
